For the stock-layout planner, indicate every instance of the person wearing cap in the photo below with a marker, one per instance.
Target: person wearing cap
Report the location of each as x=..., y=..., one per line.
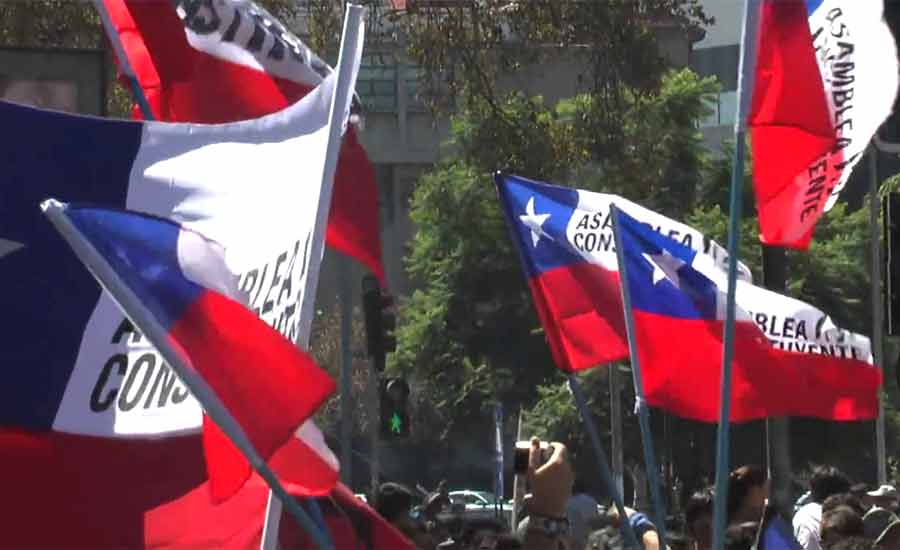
x=885, y=497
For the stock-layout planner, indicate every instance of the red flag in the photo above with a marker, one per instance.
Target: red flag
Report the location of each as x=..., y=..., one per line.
x=791, y=127
x=233, y=61
x=108, y=493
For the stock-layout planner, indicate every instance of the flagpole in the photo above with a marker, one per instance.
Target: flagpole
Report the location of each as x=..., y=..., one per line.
x=124, y=63
x=640, y=403
x=605, y=473
x=133, y=308
x=348, y=57
x=744, y=93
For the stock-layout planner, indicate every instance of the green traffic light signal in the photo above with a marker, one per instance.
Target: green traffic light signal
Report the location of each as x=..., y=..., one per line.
x=394, y=413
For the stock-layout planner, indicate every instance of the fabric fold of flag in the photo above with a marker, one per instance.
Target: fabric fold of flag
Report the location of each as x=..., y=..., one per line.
x=235, y=61
x=267, y=384
x=678, y=304
x=826, y=77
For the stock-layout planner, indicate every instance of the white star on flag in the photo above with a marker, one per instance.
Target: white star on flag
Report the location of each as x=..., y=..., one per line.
x=665, y=266
x=8, y=247
x=534, y=222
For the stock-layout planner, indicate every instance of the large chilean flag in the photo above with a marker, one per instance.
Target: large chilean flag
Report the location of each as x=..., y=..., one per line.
x=826, y=77
x=230, y=60
x=186, y=298
x=678, y=306
x=564, y=237
x=100, y=418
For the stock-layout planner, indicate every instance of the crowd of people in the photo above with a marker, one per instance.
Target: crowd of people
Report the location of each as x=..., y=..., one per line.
x=558, y=513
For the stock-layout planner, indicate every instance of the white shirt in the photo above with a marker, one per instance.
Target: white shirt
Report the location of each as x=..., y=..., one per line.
x=808, y=525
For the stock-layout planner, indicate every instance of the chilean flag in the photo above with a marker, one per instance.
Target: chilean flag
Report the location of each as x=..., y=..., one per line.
x=89, y=410
x=230, y=60
x=565, y=241
x=826, y=77
x=185, y=295
x=678, y=305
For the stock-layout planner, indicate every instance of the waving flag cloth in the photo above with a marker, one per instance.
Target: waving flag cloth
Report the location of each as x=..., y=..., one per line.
x=678, y=304
x=826, y=77
x=76, y=367
x=565, y=240
x=176, y=286
x=230, y=60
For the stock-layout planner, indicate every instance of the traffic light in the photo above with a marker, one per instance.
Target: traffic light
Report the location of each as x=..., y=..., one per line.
x=380, y=321
x=892, y=262
x=394, y=414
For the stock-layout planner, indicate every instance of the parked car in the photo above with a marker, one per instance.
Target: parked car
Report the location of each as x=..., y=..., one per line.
x=480, y=504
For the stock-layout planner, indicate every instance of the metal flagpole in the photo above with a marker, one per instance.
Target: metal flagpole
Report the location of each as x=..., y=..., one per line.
x=132, y=307
x=640, y=404
x=605, y=474
x=877, y=306
x=498, y=459
x=348, y=65
x=124, y=63
x=744, y=93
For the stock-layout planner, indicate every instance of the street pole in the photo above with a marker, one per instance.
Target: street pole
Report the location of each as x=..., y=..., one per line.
x=375, y=422
x=615, y=420
x=518, y=483
x=778, y=434
x=877, y=306
x=345, y=297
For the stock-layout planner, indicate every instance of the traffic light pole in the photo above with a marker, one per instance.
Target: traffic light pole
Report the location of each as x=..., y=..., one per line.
x=374, y=422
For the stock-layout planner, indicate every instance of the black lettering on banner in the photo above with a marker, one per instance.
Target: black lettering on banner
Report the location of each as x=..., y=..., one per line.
x=125, y=327
x=837, y=31
x=256, y=41
x=287, y=285
x=167, y=377
x=98, y=404
x=248, y=282
x=126, y=404
x=201, y=23
x=262, y=279
x=232, y=29
x=180, y=394
x=268, y=304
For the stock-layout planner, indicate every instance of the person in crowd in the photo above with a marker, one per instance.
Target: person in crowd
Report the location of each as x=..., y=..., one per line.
x=643, y=528
x=838, y=523
x=698, y=519
x=581, y=510
x=876, y=521
x=741, y=535
x=748, y=490
x=861, y=492
x=885, y=497
x=825, y=481
x=394, y=502
x=852, y=543
x=889, y=539
x=843, y=499
x=551, y=487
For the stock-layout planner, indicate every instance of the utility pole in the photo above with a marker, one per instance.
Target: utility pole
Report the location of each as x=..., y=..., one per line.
x=877, y=305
